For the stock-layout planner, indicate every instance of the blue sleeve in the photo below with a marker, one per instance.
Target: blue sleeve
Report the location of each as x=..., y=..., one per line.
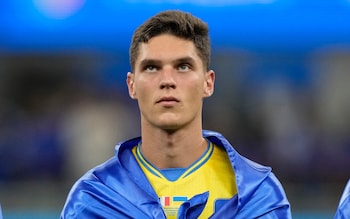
x=91, y=199
x=0, y=212
x=343, y=211
x=267, y=201
x=86, y=201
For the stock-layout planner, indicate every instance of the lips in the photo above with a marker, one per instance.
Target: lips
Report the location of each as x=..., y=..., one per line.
x=167, y=100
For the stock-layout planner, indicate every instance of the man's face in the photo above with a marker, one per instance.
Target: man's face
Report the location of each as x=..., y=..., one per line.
x=169, y=83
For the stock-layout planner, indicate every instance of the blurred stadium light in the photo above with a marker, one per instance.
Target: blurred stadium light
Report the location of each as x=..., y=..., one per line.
x=58, y=9
x=259, y=25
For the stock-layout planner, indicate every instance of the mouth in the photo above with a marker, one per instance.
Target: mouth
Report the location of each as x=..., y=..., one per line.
x=167, y=100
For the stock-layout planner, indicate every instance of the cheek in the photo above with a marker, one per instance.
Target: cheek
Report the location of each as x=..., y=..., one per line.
x=143, y=91
x=195, y=93
x=197, y=88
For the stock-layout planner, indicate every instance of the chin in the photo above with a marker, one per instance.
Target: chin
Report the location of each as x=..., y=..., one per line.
x=170, y=127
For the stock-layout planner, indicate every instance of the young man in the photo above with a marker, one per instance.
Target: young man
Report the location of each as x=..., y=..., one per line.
x=175, y=169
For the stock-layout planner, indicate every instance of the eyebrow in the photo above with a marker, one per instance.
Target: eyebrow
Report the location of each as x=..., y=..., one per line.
x=186, y=59
x=147, y=62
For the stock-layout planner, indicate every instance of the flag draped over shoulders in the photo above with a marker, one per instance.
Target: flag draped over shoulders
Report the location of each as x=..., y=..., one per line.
x=119, y=189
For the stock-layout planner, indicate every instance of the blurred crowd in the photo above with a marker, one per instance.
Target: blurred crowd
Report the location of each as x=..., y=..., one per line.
x=61, y=115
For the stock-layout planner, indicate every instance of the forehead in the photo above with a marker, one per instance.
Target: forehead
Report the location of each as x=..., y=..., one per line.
x=167, y=47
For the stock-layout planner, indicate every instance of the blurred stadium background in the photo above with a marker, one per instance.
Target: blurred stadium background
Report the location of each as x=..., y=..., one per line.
x=281, y=97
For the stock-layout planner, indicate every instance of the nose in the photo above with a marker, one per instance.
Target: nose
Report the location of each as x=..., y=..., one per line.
x=167, y=79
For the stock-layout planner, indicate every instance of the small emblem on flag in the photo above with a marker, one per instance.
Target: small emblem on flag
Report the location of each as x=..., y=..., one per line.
x=175, y=200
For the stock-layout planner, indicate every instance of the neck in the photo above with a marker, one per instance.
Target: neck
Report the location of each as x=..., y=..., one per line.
x=175, y=149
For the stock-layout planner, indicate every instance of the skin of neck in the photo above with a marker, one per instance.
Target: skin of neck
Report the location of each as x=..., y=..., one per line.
x=177, y=148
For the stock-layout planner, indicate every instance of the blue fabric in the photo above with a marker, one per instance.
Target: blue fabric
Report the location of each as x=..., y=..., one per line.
x=172, y=174
x=193, y=207
x=119, y=189
x=343, y=211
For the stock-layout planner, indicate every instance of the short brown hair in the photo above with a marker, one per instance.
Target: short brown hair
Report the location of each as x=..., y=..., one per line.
x=180, y=24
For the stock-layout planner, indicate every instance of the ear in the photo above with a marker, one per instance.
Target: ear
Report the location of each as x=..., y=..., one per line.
x=131, y=85
x=209, y=83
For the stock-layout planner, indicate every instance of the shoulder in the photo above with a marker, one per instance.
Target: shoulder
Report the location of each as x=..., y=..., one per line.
x=257, y=185
x=104, y=192
x=246, y=170
x=86, y=191
x=238, y=161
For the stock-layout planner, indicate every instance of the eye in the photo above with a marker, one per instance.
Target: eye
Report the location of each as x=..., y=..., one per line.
x=184, y=67
x=150, y=68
